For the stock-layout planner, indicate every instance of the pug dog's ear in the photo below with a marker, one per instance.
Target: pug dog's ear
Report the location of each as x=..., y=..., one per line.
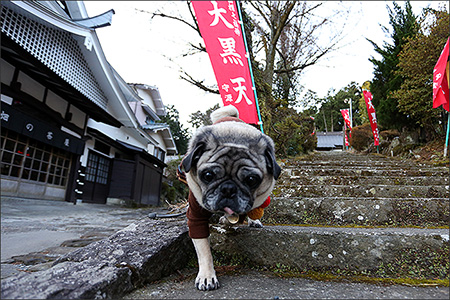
x=191, y=159
x=271, y=163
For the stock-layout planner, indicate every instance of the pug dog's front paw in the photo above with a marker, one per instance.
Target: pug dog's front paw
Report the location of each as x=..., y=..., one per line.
x=255, y=223
x=205, y=282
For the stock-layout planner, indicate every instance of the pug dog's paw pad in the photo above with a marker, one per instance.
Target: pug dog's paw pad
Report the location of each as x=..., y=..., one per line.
x=207, y=284
x=255, y=223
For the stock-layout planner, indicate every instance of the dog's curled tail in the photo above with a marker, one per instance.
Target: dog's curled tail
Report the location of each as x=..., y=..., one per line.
x=223, y=112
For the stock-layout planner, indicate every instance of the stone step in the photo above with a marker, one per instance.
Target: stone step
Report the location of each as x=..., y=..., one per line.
x=354, y=155
x=362, y=180
x=357, y=157
x=350, y=162
x=350, y=211
x=369, y=167
x=299, y=189
x=364, y=171
x=377, y=252
x=142, y=252
x=148, y=250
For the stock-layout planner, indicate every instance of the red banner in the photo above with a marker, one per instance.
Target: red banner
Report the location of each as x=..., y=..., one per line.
x=220, y=28
x=372, y=116
x=346, y=116
x=440, y=80
x=346, y=139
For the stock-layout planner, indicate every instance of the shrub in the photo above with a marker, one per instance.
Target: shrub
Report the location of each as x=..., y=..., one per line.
x=390, y=134
x=173, y=190
x=361, y=137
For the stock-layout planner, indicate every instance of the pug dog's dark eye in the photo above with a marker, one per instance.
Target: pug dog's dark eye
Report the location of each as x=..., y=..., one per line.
x=252, y=181
x=207, y=176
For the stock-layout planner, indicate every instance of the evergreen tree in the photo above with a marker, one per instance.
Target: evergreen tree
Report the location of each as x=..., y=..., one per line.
x=329, y=117
x=386, y=81
x=199, y=119
x=179, y=134
x=416, y=63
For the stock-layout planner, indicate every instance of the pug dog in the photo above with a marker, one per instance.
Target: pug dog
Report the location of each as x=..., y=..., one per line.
x=230, y=168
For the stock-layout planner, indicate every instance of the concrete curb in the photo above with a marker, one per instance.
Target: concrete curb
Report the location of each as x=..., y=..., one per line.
x=142, y=252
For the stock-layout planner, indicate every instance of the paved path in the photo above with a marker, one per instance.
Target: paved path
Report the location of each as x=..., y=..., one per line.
x=248, y=284
x=41, y=226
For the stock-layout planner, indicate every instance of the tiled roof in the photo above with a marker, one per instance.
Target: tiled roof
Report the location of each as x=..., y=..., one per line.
x=330, y=139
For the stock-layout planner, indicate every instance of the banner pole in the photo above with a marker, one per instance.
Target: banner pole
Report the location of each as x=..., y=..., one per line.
x=447, y=68
x=446, y=138
x=238, y=5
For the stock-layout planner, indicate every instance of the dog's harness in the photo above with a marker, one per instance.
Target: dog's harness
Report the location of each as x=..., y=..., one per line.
x=198, y=217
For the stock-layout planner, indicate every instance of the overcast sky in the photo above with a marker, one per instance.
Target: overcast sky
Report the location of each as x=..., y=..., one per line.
x=149, y=51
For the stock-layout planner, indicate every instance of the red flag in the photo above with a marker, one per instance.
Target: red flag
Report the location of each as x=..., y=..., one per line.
x=220, y=28
x=346, y=139
x=372, y=116
x=440, y=80
x=346, y=116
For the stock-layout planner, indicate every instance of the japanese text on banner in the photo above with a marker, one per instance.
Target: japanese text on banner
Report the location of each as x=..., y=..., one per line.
x=372, y=117
x=346, y=116
x=220, y=28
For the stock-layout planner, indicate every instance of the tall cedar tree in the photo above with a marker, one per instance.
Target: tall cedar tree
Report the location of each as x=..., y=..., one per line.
x=416, y=63
x=329, y=117
x=386, y=80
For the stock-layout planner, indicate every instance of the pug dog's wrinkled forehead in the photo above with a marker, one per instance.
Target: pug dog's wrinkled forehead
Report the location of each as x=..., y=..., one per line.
x=230, y=134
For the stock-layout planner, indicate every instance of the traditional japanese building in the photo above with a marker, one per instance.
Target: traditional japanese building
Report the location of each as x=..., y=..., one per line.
x=68, y=124
x=327, y=141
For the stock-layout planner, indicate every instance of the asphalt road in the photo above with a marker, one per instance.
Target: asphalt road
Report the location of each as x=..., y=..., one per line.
x=30, y=226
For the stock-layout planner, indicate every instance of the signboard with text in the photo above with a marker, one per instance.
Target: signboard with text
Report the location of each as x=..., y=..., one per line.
x=372, y=117
x=220, y=28
x=38, y=130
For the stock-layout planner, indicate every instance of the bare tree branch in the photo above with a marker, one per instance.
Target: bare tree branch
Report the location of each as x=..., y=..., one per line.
x=197, y=83
x=174, y=18
x=287, y=33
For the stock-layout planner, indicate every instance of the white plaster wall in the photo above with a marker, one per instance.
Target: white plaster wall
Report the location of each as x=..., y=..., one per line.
x=127, y=135
x=7, y=72
x=78, y=117
x=160, y=140
x=89, y=145
x=56, y=103
x=31, y=86
x=146, y=98
x=132, y=105
x=138, y=111
x=141, y=115
x=151, y=149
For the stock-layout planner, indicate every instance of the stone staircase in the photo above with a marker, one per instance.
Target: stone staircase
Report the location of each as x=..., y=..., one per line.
x=341, y=188
x=338, y=217
x=343, y=215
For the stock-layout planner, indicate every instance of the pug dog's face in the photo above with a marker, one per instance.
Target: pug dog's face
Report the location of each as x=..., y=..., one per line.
x=231, y=166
